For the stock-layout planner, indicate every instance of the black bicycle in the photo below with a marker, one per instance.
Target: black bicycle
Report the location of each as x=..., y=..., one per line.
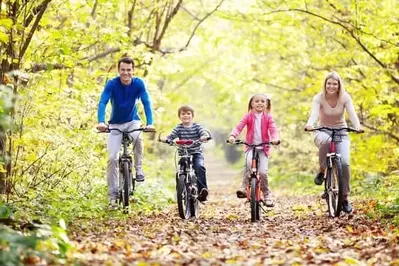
x=186, y=180
x=127, y=182
x=254, y=192
x=333, y=180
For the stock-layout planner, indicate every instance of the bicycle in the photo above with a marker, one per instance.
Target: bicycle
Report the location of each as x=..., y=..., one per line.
x=127, y=182
x=186, y=180
x=254, y=192
x=333, y=180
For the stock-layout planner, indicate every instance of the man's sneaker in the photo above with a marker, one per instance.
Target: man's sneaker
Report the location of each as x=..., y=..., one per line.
x=203, y=195
x=318, y=180
x=346, y=206
x=140, y=178
x=241, y=193
x=113, y=205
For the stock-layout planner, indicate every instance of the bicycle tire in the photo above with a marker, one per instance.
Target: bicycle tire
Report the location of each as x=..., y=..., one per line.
x=338, y=167
x=332, y=191
x=194, y=207
x=125, y=186
x=253, y=201
x=183, y=201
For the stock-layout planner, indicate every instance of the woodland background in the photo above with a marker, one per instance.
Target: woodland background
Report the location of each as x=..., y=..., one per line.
x=56, y=56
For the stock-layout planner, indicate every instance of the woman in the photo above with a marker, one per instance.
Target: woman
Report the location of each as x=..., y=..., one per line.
x=330, y=105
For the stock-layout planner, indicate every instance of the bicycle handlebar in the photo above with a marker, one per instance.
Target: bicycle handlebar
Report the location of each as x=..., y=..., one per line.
x=108, y=130
x=238, y=142
x=347, y=129
x=184, y=142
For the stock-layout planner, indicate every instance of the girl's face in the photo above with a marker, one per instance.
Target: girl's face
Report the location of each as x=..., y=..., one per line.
x=332, y=86
x=258, y=103
x=186, y=117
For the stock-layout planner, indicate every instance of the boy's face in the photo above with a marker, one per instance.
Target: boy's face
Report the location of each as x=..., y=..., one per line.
x=186, y=117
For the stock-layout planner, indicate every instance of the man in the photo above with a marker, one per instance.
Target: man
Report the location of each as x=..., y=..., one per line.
x=123, y=92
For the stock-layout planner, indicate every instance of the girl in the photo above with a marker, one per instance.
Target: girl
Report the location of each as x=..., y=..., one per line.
x=260, y=128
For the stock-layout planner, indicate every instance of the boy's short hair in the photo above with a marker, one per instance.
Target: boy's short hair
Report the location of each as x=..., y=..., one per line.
x=185, y=108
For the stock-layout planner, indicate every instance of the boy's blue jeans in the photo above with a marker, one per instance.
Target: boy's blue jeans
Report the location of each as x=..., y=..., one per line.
x=200, y=171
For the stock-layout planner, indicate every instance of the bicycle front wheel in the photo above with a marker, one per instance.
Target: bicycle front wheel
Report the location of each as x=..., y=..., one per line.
x=124, y=195
x=183, y=200
x=337, y=170
x=334, y=189
x=254, y=203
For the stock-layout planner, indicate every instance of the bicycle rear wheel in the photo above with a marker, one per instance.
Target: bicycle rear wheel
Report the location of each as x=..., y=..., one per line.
x=253, y=202
x=194, y=207
x=183, y=200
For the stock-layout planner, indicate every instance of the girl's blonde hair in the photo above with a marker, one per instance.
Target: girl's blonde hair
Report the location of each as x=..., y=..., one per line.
x=268, y=102
x=334, y=75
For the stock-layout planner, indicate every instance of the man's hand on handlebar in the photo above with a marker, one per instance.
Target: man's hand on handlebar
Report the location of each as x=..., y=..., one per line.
x=102, y=127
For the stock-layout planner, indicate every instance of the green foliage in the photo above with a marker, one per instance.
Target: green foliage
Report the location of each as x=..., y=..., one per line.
x=44, y=244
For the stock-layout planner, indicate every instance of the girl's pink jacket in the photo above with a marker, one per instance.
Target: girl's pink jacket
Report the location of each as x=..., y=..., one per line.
x=269, y=130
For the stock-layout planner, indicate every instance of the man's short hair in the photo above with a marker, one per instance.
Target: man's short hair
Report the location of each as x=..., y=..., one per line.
x=126, y=60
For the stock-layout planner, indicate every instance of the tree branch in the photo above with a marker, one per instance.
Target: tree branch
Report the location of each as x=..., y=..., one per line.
x=198, y=24
x=43, y=8
x=390, y=134
x=350, y=31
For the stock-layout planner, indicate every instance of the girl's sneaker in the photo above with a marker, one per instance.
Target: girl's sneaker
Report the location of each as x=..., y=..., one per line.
x=241, y=193
x=269, y=201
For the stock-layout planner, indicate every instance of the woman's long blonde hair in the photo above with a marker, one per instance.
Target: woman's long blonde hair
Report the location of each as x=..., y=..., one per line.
x=341, y=90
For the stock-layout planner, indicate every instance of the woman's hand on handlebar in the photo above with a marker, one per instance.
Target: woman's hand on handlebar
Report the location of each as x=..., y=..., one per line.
x=309, y=128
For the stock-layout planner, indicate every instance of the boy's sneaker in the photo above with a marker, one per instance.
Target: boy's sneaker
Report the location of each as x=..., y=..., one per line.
x=113, y=205
x=346, y=206
x=318, y=180
x=203, y=195
x=241, y=193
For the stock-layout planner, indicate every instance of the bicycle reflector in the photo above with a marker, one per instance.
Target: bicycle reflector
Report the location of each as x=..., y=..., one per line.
x=184, y=142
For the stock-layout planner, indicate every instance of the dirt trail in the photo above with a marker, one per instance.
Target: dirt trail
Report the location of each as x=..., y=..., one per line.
x=296, y=231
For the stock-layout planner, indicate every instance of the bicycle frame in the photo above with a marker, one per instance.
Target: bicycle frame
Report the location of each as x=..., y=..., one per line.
x=333, y=188
x=126, y=181
x=186, y=180
x=254, y=193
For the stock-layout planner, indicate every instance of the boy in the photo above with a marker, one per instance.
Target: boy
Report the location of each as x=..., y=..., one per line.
x=189, y=130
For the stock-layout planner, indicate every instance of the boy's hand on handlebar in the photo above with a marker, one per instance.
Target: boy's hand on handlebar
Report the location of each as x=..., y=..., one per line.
x=360, y=129
x=232, y=139
x=205, y=138
x=102, y=127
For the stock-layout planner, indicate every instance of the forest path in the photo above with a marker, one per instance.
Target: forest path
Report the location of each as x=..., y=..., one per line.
x=296, y=231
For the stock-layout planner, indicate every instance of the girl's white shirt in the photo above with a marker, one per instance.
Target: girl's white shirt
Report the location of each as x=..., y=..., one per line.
x=333, y=116
x=258, y=129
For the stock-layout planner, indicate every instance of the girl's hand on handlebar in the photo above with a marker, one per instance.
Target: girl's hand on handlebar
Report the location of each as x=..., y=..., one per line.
x=275, y=142
x=232, y=139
